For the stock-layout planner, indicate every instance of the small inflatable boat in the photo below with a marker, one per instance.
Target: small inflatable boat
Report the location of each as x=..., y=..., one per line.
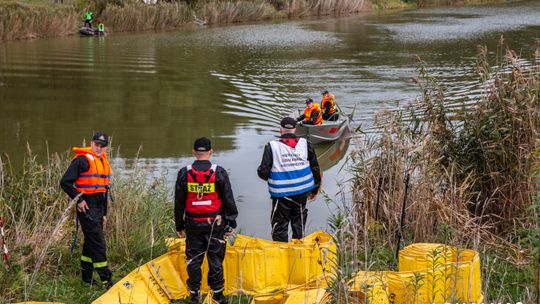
x=88, y=31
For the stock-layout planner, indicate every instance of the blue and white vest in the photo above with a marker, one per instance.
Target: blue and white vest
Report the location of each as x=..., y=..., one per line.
x=290, y=174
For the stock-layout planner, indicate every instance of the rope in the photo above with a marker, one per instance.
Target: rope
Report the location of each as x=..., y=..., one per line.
x=75, y=234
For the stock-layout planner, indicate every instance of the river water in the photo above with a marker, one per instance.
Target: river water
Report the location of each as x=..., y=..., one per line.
x=160, y=91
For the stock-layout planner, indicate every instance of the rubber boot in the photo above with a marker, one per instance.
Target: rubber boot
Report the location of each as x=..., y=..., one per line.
x=87, y=274
x=220, y=298
x=195, y=297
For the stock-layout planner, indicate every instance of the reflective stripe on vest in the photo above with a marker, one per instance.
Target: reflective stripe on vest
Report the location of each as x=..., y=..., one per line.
x=290, y=174
x=307, y=114
x=97, y=178
x=202, y=202
x=332, y=100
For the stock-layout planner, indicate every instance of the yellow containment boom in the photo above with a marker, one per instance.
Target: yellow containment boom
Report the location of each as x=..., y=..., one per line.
x=251, y=266
x=299, y=272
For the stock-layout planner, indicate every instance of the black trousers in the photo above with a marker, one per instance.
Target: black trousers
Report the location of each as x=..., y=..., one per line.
x=199, y=243
x=333, y=117
x=94, y=255
x=287, y=210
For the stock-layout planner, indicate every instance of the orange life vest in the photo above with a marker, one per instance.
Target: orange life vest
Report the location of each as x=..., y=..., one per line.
x=307, y=113
x=97, y=178
x=332, y=100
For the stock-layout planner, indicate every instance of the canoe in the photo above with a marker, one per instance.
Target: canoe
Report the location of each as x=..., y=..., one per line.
x=327, y=131
x=88, y=31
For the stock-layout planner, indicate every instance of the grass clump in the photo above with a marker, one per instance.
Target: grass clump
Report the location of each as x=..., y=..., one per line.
x=473, y=178
x=39, y=225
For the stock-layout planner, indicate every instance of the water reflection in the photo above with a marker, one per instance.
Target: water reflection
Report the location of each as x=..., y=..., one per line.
x=233, y=84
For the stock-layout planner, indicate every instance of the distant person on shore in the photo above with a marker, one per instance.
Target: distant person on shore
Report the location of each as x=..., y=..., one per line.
x=289, y=165
x=89, y=173
x=88, y=19
x=204, y=212
x=328, y=105
x=312, y=114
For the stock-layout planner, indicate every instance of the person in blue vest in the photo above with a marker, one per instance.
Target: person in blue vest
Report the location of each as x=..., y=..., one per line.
x=289, y=165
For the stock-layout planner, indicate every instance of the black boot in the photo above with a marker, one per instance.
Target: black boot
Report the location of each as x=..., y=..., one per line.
x=220, y=298
x=108, y=284
x=195, y=297
x=87, y=276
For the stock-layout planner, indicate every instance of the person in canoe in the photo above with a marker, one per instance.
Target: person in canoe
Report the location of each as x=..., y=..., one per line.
x=328, y=105
x=312, y=114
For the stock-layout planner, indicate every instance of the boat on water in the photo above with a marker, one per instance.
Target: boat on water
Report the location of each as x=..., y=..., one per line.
x=89, y=31
x=326, y=132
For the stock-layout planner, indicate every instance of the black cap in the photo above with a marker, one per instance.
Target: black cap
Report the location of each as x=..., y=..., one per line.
x=309, y=100
x=324, y=92
x=101, y=138
x=202, y=144
x=288, y=123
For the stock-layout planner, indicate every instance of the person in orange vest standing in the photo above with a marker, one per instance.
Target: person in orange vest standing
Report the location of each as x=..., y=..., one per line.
x=204, y=212
x=312, y=114
x=89, y=173
x=328, y=105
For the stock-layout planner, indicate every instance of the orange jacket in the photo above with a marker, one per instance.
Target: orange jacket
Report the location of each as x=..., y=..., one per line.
x=307, y=114
x=97, y=178
x=332, y=100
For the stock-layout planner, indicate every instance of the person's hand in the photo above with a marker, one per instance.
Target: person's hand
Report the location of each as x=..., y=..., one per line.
x=229, y=231
x=104, y=222
x=312, y=196
x=82, y=207
x=301, y=123
x=181, y=234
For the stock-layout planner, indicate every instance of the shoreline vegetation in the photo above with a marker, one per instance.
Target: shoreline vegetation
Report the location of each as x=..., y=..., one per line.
x=474, y=183
x=31, y=19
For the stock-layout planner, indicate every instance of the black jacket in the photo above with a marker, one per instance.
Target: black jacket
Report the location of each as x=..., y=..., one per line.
x=79, y=165
x=223, y=188
x=267, y=161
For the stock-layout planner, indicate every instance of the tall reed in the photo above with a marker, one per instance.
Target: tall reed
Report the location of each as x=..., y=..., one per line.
x=40, y=225
x=20, y=21
x=472, y=174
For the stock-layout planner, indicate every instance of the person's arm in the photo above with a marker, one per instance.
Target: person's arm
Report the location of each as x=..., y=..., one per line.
x=228, y=205
x=315, y=170
x=301, y=117
x=266, y=163
x=77, y=166
x=180, y=194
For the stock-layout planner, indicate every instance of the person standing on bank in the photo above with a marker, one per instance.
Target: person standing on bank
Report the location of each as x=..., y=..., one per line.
x=89, y=173
x=205, y=209
x=289, y=165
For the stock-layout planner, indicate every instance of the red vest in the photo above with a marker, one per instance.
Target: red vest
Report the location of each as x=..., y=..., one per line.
x=96, y=179
x=203, y=203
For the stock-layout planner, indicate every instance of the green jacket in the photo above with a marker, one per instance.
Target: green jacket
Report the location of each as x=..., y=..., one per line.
x=88, y=16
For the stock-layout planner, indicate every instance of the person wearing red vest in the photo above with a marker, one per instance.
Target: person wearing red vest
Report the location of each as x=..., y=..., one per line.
x=328, y=105
x=312, y=114
x=205, y=212
x=89, y=173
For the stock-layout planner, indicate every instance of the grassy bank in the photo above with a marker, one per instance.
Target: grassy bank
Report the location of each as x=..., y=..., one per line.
x=40, y=227
x=27, y=19
x=473, y=180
